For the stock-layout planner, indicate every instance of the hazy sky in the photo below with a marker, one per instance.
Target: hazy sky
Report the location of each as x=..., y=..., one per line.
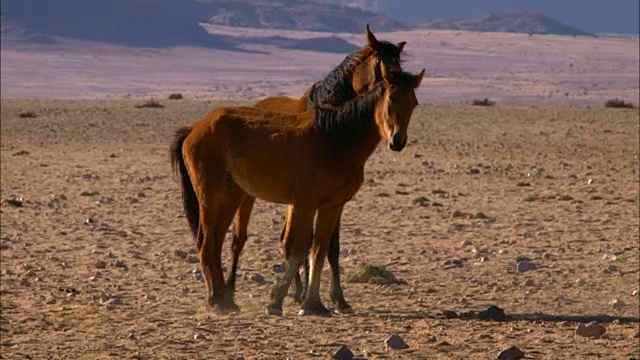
x=589, y=15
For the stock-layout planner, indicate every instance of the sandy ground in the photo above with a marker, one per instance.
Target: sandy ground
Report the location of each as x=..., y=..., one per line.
x=461, y=66
x=90, y=268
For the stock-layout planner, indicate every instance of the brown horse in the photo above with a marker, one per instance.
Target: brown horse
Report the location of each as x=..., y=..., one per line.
x=313, y=161
x=357, y=73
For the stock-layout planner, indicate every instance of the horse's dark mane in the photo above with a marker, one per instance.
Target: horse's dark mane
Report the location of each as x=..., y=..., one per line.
x=346, y=123
x=336, y=88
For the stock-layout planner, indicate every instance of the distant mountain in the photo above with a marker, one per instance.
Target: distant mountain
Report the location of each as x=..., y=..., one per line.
x=595, y=16
x=143, y=23
x=513, y=22
x=298, y=15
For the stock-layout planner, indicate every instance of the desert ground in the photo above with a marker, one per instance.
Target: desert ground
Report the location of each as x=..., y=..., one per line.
x=98, y=262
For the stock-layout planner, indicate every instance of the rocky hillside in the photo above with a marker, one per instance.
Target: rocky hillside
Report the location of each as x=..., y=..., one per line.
x=298, y=15
x=146, y=23
x=514, y=22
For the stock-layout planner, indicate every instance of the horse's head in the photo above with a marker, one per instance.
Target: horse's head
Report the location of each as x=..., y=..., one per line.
x=377, y=52
x=394, y=111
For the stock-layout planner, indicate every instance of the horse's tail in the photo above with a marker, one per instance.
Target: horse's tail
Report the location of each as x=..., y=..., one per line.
x=189, y=198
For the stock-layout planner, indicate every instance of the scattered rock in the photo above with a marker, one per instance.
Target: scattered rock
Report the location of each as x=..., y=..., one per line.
x=90, y=193
x=591, y=330
x=149, y=297
x=581, y=282
x=617, y=304
x=15, y=202
x=564, y=198
x=343, y=353
x=473, y=171
x=396, y=342
x=131, y=336
x=279, y=268
x=112, y=301
x=492, y=313
x=431, y=339
x=193, y=259
x=180, y=253
x=511, y=353
x=522, y=258
x=421, y=201
x=524, y=266
x=257, y=278
x=199, y=337
x=99, y=264
x=529, y=282
x=523, y=184
x=120, y=264
x=465, y=243
x=634, y=293
x=197, y=274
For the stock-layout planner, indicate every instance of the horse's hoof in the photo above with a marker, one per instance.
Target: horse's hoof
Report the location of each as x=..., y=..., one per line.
x=318, y=310
x=274, y=310
x=344, y=310
x=342, y=307
x=225, y=309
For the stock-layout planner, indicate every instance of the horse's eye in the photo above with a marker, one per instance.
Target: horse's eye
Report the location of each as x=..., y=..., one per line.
x=377, y=61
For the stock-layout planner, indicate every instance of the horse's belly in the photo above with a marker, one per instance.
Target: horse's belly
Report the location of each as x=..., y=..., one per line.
x=263, y=182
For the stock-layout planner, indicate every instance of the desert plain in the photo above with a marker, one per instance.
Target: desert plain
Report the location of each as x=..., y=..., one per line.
x=97, y=261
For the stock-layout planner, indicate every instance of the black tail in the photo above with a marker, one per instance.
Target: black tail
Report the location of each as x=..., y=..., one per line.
x=189, y=198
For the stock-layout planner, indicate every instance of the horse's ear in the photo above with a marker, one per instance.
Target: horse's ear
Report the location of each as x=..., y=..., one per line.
x=401, y=45
x=417, y=79
x=372, y=42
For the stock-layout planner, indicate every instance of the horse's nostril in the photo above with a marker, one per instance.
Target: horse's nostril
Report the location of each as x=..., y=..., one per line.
x=397, y=140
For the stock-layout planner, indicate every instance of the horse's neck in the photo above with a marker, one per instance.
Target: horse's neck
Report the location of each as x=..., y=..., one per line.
x=360, y=151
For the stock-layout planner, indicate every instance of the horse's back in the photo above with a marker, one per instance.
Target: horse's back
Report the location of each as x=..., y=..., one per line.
x=283, y=104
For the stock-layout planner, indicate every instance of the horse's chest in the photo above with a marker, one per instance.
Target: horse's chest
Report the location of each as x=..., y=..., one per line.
x=342, y=189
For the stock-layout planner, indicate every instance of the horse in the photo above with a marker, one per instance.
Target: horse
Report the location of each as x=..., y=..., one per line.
x=313, y=161
x=356, y=74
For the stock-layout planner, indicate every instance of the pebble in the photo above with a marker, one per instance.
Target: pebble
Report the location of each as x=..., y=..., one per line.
x=524, y=266
x=503, y=251
x=99, y=264
x=537, y=251
x=180, y=253
x=529, y=282
x=465, y=243
x=131, y=336
x=617, y=304
x=520, y=258
x=592, y=330
x=199, y=337
x=396, y=342
x=279, y=268
x=511, y=353
x=343, y=353
x=581, y=282
x=257, y=278
x=431, y=339
x=197, y=274
x=193, y=259
x=120, y=264
x=150, y=297
x=634, y=293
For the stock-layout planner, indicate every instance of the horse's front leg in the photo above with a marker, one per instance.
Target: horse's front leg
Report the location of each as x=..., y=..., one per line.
x=325, y=224
x=337, y=295
x=297, y=240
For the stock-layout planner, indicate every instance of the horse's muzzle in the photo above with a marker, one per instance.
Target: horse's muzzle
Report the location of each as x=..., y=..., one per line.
x=397, y=142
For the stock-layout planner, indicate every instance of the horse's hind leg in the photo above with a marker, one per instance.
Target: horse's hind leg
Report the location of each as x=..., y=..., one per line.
x=239, y=238
x=337, y=295
x=230, y=202
x=298, y=234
